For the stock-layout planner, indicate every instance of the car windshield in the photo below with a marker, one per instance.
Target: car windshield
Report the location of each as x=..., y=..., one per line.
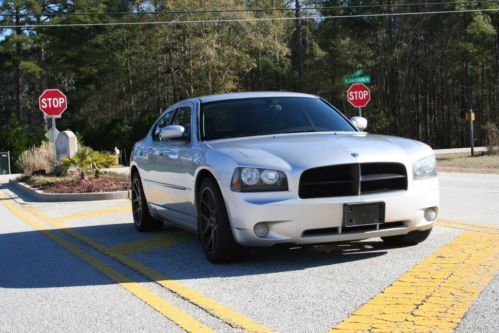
x=274, y=115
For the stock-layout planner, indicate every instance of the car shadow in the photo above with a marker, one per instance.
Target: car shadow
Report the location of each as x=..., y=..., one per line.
x=30, y=259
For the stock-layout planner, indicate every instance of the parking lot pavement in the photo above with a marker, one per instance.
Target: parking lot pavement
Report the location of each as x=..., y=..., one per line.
x=46, y=289
x=49, y=287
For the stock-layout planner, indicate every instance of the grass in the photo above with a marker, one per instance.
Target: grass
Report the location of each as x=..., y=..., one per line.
x=39, y=181
x=480, y=163
x=107, y=182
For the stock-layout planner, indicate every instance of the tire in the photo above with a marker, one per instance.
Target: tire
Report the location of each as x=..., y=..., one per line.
x=214, y=230
x=142, y=219
x=412, y=238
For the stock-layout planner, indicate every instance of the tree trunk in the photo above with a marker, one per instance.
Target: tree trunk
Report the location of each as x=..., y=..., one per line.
x=299, y=45
x=41, y=63
x=18, y=82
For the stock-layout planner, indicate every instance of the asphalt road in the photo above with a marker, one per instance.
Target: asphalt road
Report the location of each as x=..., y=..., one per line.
x=471, y=197
x=82, y=267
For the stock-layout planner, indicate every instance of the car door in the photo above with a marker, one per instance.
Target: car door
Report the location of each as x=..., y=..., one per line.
x=174, y=163
x=153, y=179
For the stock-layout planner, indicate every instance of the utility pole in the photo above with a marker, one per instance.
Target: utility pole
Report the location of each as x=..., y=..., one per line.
x=470, y=126
x=469, y=104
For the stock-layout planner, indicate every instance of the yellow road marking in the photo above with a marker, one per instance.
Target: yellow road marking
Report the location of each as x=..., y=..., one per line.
x=435, y=294
x=466, y=225
x=93, y=213
x=211, y=306
x=152, y=243
x=179, y=317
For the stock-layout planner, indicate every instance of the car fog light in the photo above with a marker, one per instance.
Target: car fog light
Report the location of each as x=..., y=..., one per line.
x=261, y=229
x=430, y=214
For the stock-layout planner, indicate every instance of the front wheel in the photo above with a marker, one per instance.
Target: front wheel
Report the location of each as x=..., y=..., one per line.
x=214, y=228
x=412, y=238
x=142, y=219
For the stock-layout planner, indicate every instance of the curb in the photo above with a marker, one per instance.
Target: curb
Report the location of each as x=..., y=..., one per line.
x=57, y=197
x=459, y=150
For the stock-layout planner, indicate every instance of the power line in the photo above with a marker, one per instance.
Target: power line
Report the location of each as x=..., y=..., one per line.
x=255, y=19
x=237, y=10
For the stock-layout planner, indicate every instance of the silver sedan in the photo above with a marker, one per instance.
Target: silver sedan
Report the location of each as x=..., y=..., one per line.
x=265, y=169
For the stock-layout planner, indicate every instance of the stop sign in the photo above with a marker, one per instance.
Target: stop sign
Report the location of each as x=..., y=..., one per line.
x=358, y=95
x=52, y=102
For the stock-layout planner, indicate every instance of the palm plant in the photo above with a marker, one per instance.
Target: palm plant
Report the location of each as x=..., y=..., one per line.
x=82, y=160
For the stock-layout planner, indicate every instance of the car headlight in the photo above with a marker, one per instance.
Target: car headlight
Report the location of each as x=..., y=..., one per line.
x=425, y=168
x=258, y=180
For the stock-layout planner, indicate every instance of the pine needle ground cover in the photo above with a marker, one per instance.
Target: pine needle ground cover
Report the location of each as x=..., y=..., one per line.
x=107, y=182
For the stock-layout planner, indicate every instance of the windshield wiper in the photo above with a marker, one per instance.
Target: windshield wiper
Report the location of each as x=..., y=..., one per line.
x=301, y=130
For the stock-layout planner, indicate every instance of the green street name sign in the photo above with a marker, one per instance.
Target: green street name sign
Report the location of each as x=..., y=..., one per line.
x=358, y=79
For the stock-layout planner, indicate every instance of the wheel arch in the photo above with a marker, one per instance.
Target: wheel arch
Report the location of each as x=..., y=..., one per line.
x=133, y=171
x=202, y=175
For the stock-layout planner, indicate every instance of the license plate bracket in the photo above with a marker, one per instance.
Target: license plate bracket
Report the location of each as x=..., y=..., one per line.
x=363, y=214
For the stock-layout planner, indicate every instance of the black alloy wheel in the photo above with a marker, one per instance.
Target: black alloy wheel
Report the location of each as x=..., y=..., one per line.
x=214, y=229
x=136, y=200
x=208, y=220
x=142, y=219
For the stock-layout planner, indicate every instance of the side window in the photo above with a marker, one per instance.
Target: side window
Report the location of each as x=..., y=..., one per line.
x=183, y=118
x=164, y=121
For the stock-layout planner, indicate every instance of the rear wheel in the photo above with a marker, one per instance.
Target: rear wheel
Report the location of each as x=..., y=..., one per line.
x=142, y=219
x=412, y=238
x=214, y=228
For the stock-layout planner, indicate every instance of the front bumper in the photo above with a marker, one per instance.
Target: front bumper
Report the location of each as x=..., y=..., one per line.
x=292, y=220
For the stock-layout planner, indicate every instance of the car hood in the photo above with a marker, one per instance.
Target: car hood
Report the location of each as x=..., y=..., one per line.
x=305, y=150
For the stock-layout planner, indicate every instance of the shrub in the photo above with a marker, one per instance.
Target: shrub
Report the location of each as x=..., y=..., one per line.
x=106, y=160
x=491, y=137
x=86, y=159
x=37, y=159
x=13, y=138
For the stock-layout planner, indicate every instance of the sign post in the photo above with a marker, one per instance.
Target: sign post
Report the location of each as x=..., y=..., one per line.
x=8, y=159
x=471, y=117
x=52, y=102
x=359, y=96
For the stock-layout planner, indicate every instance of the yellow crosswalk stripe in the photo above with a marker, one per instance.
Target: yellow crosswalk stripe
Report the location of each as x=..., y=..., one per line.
x=466, y=225
x=435, y=294
x=153, y=243
x=94, y=213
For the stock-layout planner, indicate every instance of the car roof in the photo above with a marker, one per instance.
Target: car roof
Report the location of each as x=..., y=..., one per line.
x=242, y=95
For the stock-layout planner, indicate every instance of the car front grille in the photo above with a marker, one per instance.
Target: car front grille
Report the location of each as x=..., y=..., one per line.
x=352, y=179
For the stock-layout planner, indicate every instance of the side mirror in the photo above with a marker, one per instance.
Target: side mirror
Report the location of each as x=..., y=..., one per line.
x=359, y=122
x=171, y=132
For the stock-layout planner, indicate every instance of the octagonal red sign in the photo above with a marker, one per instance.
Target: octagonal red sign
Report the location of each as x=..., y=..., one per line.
x=52, y=102
x=358, y=95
